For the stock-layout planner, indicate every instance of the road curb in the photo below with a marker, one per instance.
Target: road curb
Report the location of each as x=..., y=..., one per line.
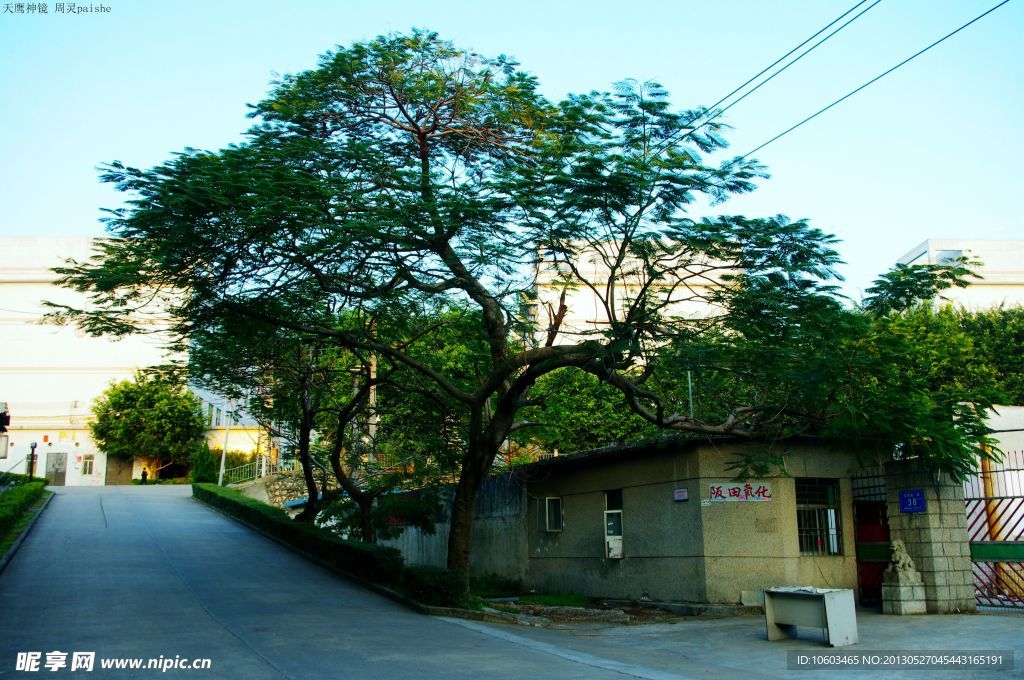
x=486, y=617
x=6, y=559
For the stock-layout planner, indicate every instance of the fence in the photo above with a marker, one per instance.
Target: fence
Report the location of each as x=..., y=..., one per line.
x=994, y=500
x=261, y=467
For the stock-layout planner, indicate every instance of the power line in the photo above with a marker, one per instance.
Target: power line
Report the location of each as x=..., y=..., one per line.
x=689, y=132
x=873, y=80
x=783, y=57
x=781, y=70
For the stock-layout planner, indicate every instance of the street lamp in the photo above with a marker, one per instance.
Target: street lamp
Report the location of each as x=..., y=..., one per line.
x=32, y=459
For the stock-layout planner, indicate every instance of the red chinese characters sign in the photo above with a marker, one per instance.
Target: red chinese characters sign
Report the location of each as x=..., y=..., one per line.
x=740, y=491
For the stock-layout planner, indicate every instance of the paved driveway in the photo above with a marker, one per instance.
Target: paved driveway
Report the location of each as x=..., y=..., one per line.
x=146, y=572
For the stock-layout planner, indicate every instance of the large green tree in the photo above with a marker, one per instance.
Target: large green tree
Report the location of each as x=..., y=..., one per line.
x=404, y=177
x=380, y=429
x=150, y=417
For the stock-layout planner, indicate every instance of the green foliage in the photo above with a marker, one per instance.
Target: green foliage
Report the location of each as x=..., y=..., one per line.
x=372, y=562
x=906, y=286
x=235, y=458
x=15, y=501
x=998, y=340
x=493, y=585
x=434, y=585
x=580, y=412
x=392, y=514
x=390, y=207
x=204, y=467
x=14, y=479
x=149, y=417
x=162, y=481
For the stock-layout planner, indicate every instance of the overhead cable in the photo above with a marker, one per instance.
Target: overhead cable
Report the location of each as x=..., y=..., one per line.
x=870, y=82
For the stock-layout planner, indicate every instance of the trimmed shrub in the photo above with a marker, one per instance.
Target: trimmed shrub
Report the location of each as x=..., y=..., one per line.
x=372, y=562
x=15, y=501
x=13, y=479
x=204, y=467
x=434, y=585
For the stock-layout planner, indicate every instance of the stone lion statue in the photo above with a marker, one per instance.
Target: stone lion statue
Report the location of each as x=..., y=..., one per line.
x=899, y=561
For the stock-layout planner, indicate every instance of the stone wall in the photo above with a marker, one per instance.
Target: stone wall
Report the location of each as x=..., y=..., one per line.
x=936, y=539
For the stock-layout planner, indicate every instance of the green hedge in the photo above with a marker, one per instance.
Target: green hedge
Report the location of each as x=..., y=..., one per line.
x=15, y=501
x=372, y=562
x=433, y=585
x=13, y=479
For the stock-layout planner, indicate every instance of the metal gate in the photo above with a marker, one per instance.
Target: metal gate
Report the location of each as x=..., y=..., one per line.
x=871, y=531
x=995, y=523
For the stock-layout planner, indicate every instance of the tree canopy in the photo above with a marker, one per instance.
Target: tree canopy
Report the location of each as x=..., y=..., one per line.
x=405, y=193
x=149, y=417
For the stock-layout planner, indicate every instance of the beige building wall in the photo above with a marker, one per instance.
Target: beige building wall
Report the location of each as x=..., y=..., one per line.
x=695, y=550
x=1002, y=270
x=750, y=546
x=586, y=310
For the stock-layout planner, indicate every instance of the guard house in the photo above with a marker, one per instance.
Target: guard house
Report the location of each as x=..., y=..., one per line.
x=667, y=520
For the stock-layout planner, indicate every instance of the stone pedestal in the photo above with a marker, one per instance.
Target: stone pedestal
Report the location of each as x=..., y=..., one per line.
x=936, y=538
x=903, y=593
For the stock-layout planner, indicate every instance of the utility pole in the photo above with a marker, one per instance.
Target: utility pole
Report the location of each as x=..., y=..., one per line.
x=224, y=452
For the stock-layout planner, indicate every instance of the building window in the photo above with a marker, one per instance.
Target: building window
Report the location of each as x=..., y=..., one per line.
x=552, y=514
x=87, y=461
x=216, y=420
x=817, y=516
x=613, y=524
x=209, y=416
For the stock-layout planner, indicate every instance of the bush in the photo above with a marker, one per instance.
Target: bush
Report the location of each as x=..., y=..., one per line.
x=372, y=562
x=493, y=585
x=233, y=459
x=13, y=479
x=15, y=501
x=169, y=480
x=204, y=466
x=434, y=585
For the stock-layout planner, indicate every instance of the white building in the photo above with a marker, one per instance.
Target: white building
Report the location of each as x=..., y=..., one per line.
x=50, y=375
x=593, y=295
x=1002, y=270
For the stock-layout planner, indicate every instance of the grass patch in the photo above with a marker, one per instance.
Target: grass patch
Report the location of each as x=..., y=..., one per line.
x=556, y=600
x=16, y=500
x=8, y=538
x=493, y=585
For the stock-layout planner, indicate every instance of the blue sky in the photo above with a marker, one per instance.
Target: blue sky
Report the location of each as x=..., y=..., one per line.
x=930, y=151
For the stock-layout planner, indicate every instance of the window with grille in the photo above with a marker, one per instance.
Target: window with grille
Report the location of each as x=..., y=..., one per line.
x=817, y=516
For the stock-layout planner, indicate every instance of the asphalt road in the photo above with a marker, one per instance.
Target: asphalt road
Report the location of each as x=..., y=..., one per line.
x=145, y=572
x=148, y=573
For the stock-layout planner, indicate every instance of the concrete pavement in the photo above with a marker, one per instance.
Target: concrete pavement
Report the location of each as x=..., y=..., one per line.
x=140, y=572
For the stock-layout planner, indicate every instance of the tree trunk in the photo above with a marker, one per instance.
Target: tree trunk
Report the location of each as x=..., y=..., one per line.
x=366, y=519
x=309, y=512
x=460, y=534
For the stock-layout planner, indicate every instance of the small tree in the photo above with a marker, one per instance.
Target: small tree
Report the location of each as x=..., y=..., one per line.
x=150, y=417
x=204, y=465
